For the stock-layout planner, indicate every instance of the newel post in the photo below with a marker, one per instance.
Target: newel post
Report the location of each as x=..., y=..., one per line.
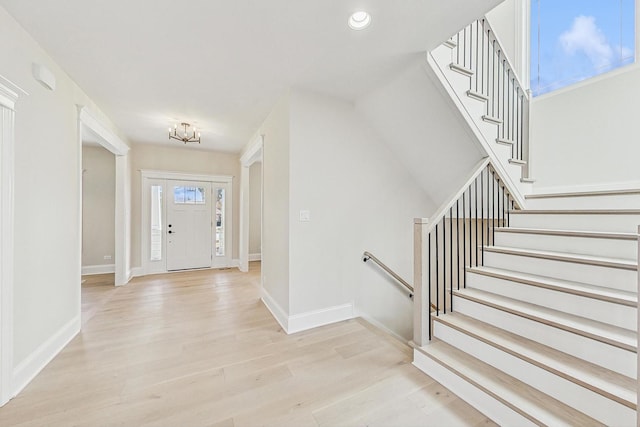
x=638, y=324
x=420, y=282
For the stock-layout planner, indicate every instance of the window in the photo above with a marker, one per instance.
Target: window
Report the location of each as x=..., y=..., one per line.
x=188, y=195
x=573, y=40
x=155, y=251
x=220, y=221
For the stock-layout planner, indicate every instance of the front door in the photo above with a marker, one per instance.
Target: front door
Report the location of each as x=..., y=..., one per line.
x=189, y=224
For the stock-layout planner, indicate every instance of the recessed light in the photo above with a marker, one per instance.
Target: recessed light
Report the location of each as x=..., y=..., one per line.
x=359, y=20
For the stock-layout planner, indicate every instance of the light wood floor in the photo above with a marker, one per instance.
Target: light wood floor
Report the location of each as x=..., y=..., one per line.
x=200, y=349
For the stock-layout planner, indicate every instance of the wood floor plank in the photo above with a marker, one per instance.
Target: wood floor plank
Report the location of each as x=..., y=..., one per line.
x=199, y=348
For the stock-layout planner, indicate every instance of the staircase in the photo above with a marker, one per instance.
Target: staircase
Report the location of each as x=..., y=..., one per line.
x=538, y=326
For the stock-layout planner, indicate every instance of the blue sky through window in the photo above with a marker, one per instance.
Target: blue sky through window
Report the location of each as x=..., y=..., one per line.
x=572, y=40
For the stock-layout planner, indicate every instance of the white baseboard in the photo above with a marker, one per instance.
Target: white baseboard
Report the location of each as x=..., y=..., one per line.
x=36, y=361
x=98, y=269
x=255, y=257
x=276, y=311
x=315, y=318
x=380, y=326
x=234, y=263
x=135, y=272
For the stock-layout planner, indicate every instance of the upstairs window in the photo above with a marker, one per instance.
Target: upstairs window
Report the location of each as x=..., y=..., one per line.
x=573, y=40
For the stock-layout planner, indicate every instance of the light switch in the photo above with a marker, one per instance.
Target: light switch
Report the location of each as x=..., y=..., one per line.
x=305, y=216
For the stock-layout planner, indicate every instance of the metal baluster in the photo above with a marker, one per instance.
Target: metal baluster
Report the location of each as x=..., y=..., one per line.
x=476, y=204
x=458, y=242
x=437, y=276
x=482, y=214
x=451, y=256
x=444, y=264
x=429, y=272
x=464, y=243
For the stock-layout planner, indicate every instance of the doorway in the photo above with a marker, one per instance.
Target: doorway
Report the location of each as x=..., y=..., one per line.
x=186, y=221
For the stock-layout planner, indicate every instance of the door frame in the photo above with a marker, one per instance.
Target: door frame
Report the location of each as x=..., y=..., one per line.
x=252, y=155
x=9, y=94
x=112, y=143
x=146, y=175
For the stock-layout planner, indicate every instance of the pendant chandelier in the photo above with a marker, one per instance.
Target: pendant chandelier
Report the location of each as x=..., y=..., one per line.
x=184, y=135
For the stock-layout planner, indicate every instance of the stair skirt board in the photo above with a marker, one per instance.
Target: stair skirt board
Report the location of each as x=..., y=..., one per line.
x=616, y=278
x=495, y=409
x=597, y=352
x=581, y=398
x=602, y=311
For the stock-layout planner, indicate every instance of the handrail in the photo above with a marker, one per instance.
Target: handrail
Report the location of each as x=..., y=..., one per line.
x=366, y=256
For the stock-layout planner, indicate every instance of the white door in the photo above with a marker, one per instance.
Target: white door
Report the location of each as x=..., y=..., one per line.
x=189, y=225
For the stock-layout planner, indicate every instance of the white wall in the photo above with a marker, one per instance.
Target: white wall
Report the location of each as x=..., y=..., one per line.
x=360, y=197
x=422, y=128
x=178, y=159
x=275, y=213
x=98, y=206
x=47, y=201
x=585, y=136
x=255, y=208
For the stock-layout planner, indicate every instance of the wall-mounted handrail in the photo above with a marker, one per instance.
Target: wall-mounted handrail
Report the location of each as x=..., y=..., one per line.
x=366, y=256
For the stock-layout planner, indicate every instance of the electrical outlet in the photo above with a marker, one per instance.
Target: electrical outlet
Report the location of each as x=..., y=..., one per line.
x=107, y=257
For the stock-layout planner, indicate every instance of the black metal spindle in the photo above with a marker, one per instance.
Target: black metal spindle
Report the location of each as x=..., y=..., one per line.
x=429, y=281
x=437, y=276
x=464, y=244
x=470, y=231
x=482, y=215
x=493, y=207
x=444, y=264
x=458, y=242
x=451, y=257
x=476, y=205
x=487, y=224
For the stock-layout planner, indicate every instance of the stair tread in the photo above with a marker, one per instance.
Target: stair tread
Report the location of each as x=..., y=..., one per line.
x=575, y=211
x=583, y=194
x=517, y=162
x=592, y=291
x=461, y=69
x=589, y=375
x=491, y=119
x=512, y=392
x=568, y=257
x=572, y=233
x=613, y=335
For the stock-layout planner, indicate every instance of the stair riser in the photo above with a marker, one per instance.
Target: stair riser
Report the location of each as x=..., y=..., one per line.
x=581, y=222
x=601, y=311
x=593, y=404
x=492, y=408
x=631, y=201
x=611, y=248
x=607, y=277
x=602, y=354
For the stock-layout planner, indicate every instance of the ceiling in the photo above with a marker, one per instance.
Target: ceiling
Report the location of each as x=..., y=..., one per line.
x=222, y=65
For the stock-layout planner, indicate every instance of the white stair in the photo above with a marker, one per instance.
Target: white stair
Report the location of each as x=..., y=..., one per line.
x=552, y=309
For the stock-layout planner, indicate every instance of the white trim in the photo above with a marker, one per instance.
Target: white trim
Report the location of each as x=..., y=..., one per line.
x=111, y=142
x=255, y=257
x=9, y=93
x=38, y=359
x=252, y=153
x=276, y=311
x=315, y=318
x=182, y=176
x=164, y=176
x=136, y=272
x=88, y=270
x=617, y=186
x=235, y=263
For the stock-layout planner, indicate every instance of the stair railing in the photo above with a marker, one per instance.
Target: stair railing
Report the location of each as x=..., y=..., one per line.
x=452, y=240
x=477, y=49
x=366, y=256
